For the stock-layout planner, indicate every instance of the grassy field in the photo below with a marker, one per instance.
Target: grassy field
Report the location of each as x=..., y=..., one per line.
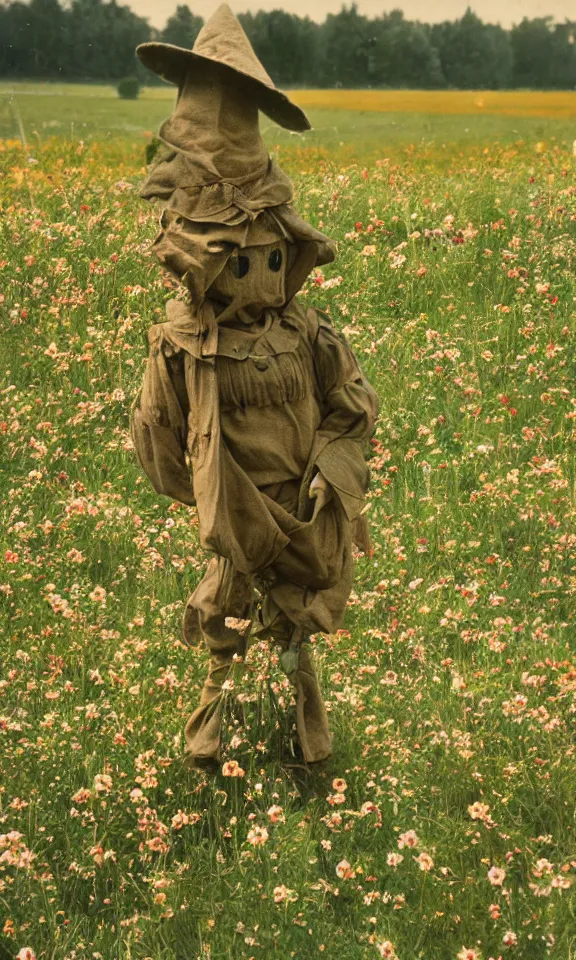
x=443, y=827
x=350, y=122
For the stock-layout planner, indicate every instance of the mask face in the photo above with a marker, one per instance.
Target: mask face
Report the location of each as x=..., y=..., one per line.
x=253, y=280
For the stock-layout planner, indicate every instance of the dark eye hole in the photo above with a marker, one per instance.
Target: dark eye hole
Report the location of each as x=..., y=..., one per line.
x=275, y=260
x=239, y=266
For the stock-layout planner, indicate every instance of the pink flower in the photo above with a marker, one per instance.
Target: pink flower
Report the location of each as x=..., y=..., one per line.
x=509, y=939
x=98, y=595
x=408, y=839
x=75, y=556
x=102, y=783
x=181, y=819
x=334, y=799
x=157, y=845
x=339, y=785
x=386, y=949
x=344, y=871
x=282, y=893
x=479, y=811
x=275, y=813
x=26, y=953
x=424, y=861
x=467, y=953
x=257, y=836
x=496, y=876
x=82, y=795
x=394, y=859
x=561, y=882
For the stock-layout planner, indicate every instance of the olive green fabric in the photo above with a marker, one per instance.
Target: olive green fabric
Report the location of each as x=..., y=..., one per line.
x=335, y=416
x=224, y=593
x=252, y=423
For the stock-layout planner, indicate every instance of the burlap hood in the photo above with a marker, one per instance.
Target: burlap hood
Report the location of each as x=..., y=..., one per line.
x=213, y=176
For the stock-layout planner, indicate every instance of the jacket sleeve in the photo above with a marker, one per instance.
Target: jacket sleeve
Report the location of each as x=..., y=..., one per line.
x=350, y=407
x=159, y=420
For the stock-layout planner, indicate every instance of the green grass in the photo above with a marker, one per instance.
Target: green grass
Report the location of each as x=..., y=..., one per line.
x=454, y=682
x=95, y=112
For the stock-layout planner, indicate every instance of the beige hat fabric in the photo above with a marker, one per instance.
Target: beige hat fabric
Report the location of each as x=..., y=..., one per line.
x=213, y=165
x=217, y=184
x=222, y=49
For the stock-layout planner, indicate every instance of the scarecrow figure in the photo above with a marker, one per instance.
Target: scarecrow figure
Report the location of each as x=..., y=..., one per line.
x=252, y=407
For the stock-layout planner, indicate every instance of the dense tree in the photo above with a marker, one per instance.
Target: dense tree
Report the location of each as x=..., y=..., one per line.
x=346, y=46
x=531, y=43
x=544, y=54
x=473, y=55
x=563, y=66
x=401, y=54
x=14, y=43
x=95, y=39
x=46, y=30
x=286, y=44
x=182, y=27
x=89, y=39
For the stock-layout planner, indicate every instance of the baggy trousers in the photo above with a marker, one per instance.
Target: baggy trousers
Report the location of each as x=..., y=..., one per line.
x=290, y=610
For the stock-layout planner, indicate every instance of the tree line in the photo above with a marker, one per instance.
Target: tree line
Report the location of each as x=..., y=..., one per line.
x=95, y=40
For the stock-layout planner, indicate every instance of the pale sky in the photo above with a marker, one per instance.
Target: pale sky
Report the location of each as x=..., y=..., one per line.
x=492, y=11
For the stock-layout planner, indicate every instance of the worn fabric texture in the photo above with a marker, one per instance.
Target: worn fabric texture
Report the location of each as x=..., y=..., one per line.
x=213, y=176
x=223, y=52
x=252, y=408
x=242, y=433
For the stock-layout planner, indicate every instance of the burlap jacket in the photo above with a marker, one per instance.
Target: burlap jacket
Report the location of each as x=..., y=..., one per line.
x=177, y=431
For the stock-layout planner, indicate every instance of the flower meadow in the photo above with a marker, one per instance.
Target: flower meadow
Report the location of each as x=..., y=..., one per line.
x=443, y=826
x=511, y=103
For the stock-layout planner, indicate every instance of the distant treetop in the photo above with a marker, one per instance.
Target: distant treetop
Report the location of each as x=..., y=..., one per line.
x=95, y=40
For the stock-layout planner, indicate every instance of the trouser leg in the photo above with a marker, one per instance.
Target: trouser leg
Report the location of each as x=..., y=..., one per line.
x=290, y=614
x=311, y=716
x=222, y=593
x=297, y=659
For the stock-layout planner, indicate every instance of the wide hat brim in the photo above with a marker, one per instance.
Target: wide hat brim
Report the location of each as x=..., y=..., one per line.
x=172, y=63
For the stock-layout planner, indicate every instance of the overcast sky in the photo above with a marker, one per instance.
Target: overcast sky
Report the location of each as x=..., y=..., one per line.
x=493, y=11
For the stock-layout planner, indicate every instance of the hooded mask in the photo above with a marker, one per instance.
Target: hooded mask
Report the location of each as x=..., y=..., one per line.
x=222, y=193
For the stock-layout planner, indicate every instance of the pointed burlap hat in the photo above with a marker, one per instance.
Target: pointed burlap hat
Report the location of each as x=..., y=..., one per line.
x=223, y=50
x=213, y=174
